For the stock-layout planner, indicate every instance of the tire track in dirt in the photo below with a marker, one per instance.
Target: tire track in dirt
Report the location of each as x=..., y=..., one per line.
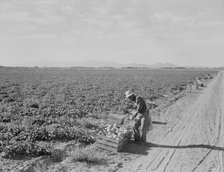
x=214, y=161
x=165, y=155
x=172, y=138
x=206, y=131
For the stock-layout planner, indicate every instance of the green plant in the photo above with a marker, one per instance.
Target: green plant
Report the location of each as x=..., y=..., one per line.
x=24, y=149
x=87, y=123
x=88, y=155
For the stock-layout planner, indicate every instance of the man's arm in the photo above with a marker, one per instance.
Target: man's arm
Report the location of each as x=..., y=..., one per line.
x=135, y=114
x=139, y=103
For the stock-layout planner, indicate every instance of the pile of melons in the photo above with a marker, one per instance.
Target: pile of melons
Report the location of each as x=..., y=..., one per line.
x=114, y=131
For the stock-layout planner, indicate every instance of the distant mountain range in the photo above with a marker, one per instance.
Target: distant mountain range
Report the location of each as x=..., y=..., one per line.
x=118, y=65
x=97, y=64
x=94, y=63
x=157, y=65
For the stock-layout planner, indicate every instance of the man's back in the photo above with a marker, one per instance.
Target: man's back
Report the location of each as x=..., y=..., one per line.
x=141, y=104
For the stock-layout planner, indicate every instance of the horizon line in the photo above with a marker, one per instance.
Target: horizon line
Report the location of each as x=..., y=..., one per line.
x=103, y=63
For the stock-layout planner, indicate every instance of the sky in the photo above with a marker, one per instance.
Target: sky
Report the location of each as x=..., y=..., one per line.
x=182, y=32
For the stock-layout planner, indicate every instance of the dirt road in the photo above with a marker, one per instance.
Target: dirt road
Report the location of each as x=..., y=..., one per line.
x=195, y=142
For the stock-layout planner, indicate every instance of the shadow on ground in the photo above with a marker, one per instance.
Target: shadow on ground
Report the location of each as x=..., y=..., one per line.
x=142, y=149
x=186, y=146
x=159, y=122
x=135, y=148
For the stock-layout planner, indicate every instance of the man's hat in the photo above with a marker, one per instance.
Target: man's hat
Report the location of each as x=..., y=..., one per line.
x=129, y=93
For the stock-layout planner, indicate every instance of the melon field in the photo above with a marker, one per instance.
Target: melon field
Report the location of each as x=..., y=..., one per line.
x=42, y=106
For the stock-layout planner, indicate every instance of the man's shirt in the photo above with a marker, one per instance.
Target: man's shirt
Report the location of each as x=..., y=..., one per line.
x=141, y=105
